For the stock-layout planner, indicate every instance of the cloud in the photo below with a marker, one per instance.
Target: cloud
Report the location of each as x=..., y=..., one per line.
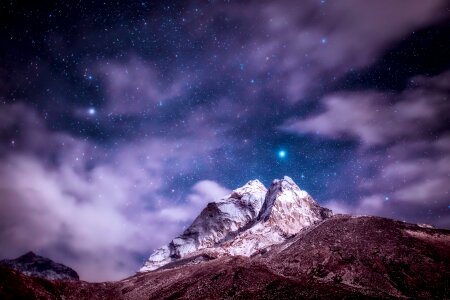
x=89, y=207
x=403, y=153
x=299, y=46
x=367, y=115
x=207, y=191
x=136, y=86
x=407, y=185
x=202, y=192
x=372, y=204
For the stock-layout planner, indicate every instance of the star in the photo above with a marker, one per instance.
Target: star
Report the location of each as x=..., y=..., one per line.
x=282, y=154
x=91, y=111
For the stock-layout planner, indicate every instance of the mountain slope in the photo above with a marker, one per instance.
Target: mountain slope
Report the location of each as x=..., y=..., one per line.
x=369, y=253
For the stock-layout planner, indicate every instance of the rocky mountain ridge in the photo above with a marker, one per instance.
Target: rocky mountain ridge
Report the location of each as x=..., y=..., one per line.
x=34, y=265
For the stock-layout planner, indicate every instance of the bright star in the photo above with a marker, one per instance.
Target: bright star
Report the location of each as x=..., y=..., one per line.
x=281, y=154
x=91, y=111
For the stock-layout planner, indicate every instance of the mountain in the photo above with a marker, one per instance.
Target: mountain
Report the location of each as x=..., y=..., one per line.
x=340, y=257
x=37, y=266
x=248, y=220
x=275, y=243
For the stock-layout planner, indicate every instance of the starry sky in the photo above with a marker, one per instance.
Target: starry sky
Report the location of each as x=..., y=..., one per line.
x=120, y=120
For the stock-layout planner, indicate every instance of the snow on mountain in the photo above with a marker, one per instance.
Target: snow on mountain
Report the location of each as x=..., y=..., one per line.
x=214, y=223
x=248, y=220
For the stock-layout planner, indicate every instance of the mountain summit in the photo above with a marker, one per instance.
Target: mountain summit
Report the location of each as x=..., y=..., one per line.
x=248, y=220
x=34, y=265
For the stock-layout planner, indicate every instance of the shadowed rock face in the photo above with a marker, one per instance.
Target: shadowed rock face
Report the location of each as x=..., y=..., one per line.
x=34, y=265
x=340, y=257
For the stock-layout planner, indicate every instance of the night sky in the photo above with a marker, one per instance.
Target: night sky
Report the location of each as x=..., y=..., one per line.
x=120, y=121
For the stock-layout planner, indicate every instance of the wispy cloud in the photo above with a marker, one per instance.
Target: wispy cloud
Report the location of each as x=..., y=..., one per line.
x=408, y=167
x=69, y=198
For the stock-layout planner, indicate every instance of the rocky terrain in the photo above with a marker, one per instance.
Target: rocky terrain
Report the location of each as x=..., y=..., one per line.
x=275, y=243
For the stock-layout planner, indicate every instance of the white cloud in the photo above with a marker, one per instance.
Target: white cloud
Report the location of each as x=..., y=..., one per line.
x=207, y=191
x=403, y=153
x=93, y=208
x=373, y=118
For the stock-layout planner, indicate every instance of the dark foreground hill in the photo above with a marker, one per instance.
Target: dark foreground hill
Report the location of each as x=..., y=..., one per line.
x=340, y=257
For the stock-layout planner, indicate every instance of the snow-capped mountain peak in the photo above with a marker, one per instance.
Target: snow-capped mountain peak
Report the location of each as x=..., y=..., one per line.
x=288, y=208
x=282, y=190
x=247, y=220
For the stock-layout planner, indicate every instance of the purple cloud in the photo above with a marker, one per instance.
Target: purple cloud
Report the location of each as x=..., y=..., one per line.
x=61, y=192
x=367, y=115
x=412, y=168
x=137, y=86
x=298, y=46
